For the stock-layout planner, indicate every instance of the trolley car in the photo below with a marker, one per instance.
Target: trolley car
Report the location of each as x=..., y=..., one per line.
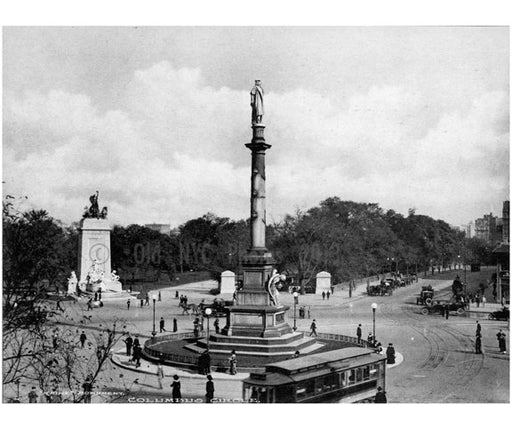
x=352, y=374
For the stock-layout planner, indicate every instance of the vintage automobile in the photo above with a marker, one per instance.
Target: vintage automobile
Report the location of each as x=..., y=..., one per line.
x=426, y=296
x=503, y=314
x=440, y=307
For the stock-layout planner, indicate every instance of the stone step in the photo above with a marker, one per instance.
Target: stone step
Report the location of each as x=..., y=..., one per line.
x=273, y=353
x=246, y=348
x=283, y=339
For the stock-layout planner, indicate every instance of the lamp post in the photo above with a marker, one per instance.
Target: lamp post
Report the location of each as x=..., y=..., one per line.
x=153, y=297
x=295, y=300
x=374, y=307
x=207, y=313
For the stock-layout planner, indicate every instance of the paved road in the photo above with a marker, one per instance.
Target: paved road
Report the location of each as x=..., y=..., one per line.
x=439, y=362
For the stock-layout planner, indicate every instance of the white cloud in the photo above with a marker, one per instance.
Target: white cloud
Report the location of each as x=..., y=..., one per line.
x=174, y=149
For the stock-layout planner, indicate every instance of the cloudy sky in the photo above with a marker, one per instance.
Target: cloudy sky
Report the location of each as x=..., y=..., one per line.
x=156, y=119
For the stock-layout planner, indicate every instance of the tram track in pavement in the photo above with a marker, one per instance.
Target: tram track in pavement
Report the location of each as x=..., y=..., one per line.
x=437, y=337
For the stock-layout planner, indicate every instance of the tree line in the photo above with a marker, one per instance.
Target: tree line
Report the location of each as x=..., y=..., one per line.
x=347, y=239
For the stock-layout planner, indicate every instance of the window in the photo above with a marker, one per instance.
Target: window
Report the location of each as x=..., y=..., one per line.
x=352, y=377
x=366, y=372
x=359, y=375
x=343, y=378
x=305, y=389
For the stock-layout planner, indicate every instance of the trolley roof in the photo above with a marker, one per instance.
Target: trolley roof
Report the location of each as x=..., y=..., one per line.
x=306, y=367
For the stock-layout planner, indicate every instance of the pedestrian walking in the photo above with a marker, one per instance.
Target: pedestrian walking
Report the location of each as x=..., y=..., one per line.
x=447, y=311
x=210, y=389
x=87, y=386
x=478, y=328
x=159, y=296
x=232, y=363
x=129, y=343
x=89, y=304
x=380, y=397
x=95, y=296
x=478, y=344
x=328, y=294
x=128, y=304
x=502, y=344
x=196, y=327
x=141, y=302
x=332, y=290
x=216, y=325
x=136, y=342
x=477, y=299
x=323, y=294
x=177, y=295
x=32, y=396
x=147, y=298
x=162, y=325
x=313, y=329
x=390, y=354
x=484, y=300
x=137, y=352
x=99, y=295
x=175, y=325
x=83, y=338
x=160, y=375
x=176, y=389
x=359, y=334
x=59, y=307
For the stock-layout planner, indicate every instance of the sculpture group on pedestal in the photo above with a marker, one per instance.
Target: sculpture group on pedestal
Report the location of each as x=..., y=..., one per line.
x=94, y=210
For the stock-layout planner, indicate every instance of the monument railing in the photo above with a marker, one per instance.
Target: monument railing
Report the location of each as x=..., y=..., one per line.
x=344, y=338
x=223, y=362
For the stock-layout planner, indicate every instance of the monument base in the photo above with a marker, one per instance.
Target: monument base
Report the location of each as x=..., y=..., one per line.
x=257, y=321
x=284, y=346
x=105, y=286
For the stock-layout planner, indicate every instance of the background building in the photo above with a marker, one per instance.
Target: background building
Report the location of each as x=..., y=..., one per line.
x=163, y=228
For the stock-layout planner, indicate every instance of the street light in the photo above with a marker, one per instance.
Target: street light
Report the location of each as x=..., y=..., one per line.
x=295, y=300
x=153, y=297
x=374, y=307
x=207, y=313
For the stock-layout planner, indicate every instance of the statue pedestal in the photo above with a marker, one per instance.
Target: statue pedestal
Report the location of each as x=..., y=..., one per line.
x=105, y=286
x=93, y=244
x=254, y=315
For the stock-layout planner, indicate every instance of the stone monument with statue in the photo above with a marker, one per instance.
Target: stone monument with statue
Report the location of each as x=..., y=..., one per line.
x=257, y=322
x=94, y=261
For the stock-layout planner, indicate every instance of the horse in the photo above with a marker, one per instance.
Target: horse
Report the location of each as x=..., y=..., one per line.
x=187, y=307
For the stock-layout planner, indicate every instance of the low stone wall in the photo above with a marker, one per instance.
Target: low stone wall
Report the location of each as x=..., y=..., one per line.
x=216, y=363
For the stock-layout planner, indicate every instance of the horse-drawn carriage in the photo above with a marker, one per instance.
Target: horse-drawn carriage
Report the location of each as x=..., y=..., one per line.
x=218, y=307
x=382, y=289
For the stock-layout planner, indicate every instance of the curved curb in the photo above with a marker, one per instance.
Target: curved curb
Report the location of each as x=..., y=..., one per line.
x=399, y=358
x=120, y=359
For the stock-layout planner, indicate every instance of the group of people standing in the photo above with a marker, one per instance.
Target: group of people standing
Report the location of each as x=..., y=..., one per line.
x=133, y=349
x=500, y=336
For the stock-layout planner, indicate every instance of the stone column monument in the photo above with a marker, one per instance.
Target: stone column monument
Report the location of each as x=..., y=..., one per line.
x=256, y=324
x=257, y=311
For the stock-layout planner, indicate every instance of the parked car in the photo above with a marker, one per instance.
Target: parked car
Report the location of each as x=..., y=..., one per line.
x=440, y=307
x=503, y=314
x=426, y=296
